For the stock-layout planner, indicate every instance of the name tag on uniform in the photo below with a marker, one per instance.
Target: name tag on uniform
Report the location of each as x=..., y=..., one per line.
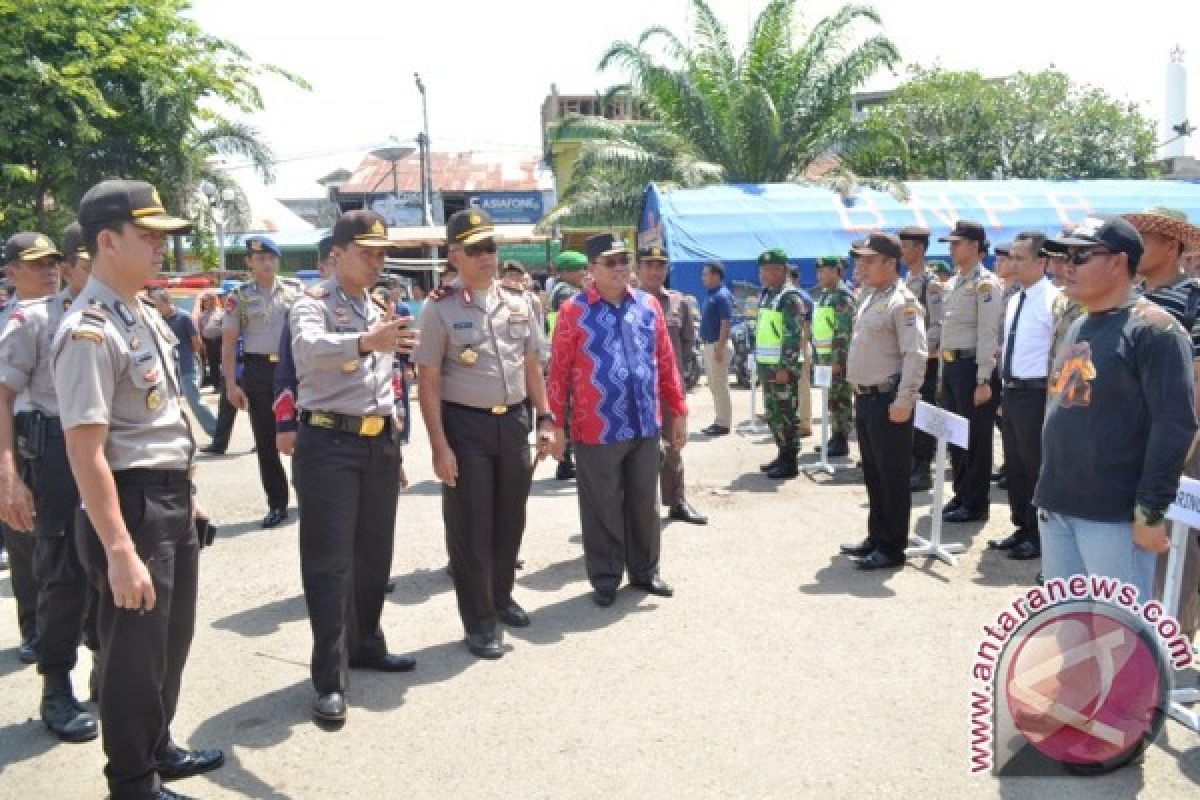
x=462, y=326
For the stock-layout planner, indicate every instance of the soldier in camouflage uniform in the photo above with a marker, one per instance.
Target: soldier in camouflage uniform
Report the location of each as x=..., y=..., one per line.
x=571, y=267
x=833, y=322
x=779, y=353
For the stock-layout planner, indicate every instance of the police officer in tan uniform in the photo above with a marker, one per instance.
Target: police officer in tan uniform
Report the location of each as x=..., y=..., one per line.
x=885, y=367
x=924, y=284
x=652, y=270
x=257, y=311
x=477, y=362
x=970, y=340
x=130, y=446
x=347, y=463
x=48, y=502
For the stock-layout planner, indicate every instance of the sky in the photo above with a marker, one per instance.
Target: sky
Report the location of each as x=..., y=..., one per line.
x=488, y=66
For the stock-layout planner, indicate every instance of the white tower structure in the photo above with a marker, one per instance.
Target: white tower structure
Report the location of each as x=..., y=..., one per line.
x=1175, y=118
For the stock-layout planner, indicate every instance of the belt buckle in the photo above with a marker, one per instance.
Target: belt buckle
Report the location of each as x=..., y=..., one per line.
x=319, y=420
x=371, y=426
x=273, y=358
x=498, y=410
x=948, y=356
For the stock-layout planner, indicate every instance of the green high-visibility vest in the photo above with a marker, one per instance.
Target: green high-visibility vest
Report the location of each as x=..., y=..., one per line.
x=823, y=325
x=768, y=332
x=551, y=321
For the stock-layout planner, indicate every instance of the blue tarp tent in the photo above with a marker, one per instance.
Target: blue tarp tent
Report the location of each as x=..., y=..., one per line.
x=734, y=223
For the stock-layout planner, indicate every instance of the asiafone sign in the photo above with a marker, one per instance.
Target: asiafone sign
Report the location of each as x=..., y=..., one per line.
x=511, y=207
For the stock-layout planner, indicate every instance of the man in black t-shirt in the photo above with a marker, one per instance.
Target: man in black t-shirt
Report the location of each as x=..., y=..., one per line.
x=189, y=344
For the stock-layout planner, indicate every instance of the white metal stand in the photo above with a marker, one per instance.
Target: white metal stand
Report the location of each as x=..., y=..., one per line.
x=752, y=425
x=933, y=546
x=823, y=465
x=1180, y=699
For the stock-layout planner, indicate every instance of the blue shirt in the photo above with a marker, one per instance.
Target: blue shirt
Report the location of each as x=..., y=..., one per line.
x=184, y=329
x=718, y=307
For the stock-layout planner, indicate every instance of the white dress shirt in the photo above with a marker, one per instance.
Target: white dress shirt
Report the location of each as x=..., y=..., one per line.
x=1035, y=331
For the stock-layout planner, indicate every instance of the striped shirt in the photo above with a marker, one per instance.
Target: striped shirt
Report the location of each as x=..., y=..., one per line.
x=1173, y=298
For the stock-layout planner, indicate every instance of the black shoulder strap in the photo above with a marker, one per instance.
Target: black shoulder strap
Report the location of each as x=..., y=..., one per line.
x=1192, y=311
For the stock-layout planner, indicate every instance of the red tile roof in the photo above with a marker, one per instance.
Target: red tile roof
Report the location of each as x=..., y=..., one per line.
x=470, y=171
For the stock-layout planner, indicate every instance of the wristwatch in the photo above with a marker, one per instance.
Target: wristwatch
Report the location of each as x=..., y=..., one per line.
x=1148, y=516
x=544, y=418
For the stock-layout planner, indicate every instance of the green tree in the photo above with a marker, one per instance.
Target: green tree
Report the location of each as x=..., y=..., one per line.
x=97, y=88
x=959, y=126
x=763, y=115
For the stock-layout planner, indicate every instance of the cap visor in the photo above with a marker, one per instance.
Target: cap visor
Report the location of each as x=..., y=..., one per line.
x=860, y=251
x=1070, y=241
x=478, y=236
x=373, y=242
x=613, y=251
x=164, y=224
x=34, y=253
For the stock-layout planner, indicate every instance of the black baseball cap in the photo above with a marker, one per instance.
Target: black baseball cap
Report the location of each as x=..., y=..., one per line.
x=879, y=243
x=1114, y=233
x=914, y=233
x=128, y=201
x=966, y=229
x=324, y=248
x=29, y=246
x=361, y=227
x=1004, y=249
x=73, y=245
x=603, y=244
x=469, y=226
x=652, y=253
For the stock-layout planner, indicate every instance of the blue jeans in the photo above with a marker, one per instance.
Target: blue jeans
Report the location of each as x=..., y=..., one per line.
x=203, y=414
x=1075, y=546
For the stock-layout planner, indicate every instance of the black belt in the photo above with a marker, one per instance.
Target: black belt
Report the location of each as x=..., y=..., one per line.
x=260, y=358
x=347, y=423
x=1025, y=383
x=144, y=476
x=954, y=355
x=879, y=388
x=497, y=411
x=52, y=425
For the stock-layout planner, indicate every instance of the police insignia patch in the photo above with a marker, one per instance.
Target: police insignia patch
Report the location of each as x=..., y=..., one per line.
x=378, y=228
x=83, y=334
x=154, y=399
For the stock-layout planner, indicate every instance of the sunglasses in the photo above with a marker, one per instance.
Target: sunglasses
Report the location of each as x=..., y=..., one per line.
x=479, y=248
x=612, y=262
x=1081, y=257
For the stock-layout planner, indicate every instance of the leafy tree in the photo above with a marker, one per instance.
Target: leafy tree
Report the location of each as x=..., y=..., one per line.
x=959, y=125
x=763, y=115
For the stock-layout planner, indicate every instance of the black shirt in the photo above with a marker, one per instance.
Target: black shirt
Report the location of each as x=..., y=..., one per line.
x=1119, y=416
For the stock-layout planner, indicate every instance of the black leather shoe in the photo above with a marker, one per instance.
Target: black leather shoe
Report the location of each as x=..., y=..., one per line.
x=656, y=586
x=770, y=465
x=212, y=451
x=860, y=550
x=274, y=517
x=715, y=430
x=604, y=597
x=164, y=793
x=330, y=709
x=565, y=471
x=954, y=505
x=964, y=515
x=1007, y=543
x=877, y=560
x=484, y=645
x=1025, y=551
x=786, y=468
x=26, y=652
x=999, y=474
x=513, y=616
x=920, y=481
x=176, y=763
x=3, y=559
x=63, y=714
x=388, y=662
x=837, y=446
x=685, y=513
x=1002, y=483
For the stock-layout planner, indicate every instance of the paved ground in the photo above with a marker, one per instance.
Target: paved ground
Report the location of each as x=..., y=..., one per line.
x=777, y=670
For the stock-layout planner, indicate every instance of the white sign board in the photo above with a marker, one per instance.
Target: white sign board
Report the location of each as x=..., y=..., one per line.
x=822, y=377
x=940, y=423
x=1186, y=508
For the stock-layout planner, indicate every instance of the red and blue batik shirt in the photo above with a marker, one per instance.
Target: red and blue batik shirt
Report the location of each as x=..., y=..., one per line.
x=616, y=364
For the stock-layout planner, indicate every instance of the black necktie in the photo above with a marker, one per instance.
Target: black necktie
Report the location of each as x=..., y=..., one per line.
x=1006, y=372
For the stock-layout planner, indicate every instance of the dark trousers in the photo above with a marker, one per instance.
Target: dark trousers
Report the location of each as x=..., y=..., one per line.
x=886, y=448
x=212, y=355
x=670, y=470
x=972, y=467
x=258, y=382
x=226, y=416
x=485, y=513
x=24, y=584
x=62, y=582
x=618, y=510
x=924, y=445
x=1024, y=413
x=348, y=486
x=142, y=654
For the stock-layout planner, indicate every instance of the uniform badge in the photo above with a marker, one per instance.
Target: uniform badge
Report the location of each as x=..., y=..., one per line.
x=469, y=357
x=154, y=399
x=350, y=366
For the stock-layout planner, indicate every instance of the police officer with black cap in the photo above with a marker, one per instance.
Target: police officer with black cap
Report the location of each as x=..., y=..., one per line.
x=477, y=363
x=347, y=465
x=48, y=499
x=130, y=446
x=925, y=285
x=256, y=312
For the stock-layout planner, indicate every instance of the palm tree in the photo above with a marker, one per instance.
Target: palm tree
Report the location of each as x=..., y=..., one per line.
x=763, y=116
